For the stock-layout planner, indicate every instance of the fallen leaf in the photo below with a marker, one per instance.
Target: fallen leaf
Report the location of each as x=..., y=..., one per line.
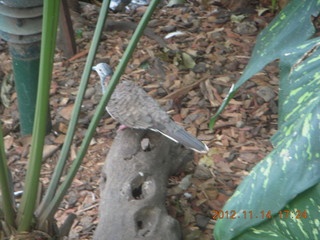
x=188, y=61
x=66, y=112
x=48, y=150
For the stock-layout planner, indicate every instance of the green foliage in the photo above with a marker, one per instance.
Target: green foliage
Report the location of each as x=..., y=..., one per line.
x=42, y=219
x=298, y=220
x=28, y=202
x=61, y=191
x=6, y=186
x=274, y=4
x=284, y=180
x=52, y=198
x=291, y=27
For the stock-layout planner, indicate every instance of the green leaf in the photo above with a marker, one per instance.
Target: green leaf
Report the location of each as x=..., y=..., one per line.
x=301, y=222
x=293, y=166
x=187, y=60
x=55, y=180
x=292, y=26
x=288, y=170
x=49, y=30
x=6, y=187
x=299, y=88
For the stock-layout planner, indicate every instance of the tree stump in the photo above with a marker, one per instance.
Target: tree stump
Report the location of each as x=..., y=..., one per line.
x=134, y=187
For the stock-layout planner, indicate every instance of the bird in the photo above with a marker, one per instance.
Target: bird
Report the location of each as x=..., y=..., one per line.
x=131, y=106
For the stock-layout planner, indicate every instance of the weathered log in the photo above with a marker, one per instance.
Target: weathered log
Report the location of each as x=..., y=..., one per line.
x=134, y=187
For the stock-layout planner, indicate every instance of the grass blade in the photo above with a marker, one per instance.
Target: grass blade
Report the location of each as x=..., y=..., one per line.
x=49, y=31
x=6, y=186
x=76, y=111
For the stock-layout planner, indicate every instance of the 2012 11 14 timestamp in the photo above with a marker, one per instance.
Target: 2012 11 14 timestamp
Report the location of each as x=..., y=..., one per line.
x=262, y=214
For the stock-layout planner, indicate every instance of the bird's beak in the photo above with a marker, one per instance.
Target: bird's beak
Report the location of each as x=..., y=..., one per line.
x=94, y=68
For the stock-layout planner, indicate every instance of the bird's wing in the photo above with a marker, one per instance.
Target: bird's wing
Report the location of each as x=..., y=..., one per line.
x=132, y=106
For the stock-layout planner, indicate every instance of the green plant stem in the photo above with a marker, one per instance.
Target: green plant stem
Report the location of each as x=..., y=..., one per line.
x=76, y=111
x=49, y=211
x=273, y=5
x=6, y=186
x=49, y=31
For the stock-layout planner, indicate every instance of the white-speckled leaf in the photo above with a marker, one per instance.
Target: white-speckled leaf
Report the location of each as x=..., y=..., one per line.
x=300, y=219
x=291, y=27
x=293, y=166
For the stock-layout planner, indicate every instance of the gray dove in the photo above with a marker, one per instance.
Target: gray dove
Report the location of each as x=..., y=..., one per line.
x=131, y=106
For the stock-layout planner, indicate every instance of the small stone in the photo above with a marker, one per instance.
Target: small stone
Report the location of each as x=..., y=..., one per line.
x=232, y=66
x=72, y=198
x=266, y=93
x=187, y=195
x=247, y=28
x=185, y=182
x=86, y=221
x=260, y=100
x=89, y=92
x=200, y=67
x=161, y=92
x=187, y=24
x=168, y=29
x=87, y=106
x=273, y=106
x=70, y=83
x=240, y=124
x=202, y=221
x=87, y=34
x=202, y=172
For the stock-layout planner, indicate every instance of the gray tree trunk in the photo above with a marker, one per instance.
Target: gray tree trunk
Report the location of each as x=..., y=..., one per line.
x=134, y=187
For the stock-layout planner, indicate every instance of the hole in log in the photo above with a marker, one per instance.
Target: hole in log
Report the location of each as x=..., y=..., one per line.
x=137, y=192
x=146, y=220
x=141, y=187
x=139, y=225
x=137, y=186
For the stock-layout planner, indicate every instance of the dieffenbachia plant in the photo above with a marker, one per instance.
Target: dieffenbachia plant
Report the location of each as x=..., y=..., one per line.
x=281, y=196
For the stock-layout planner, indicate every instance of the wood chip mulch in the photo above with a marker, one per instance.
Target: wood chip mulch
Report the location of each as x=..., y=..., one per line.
x=190, y=78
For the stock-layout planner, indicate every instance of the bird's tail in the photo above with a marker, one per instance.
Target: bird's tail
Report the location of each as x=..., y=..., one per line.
x=181, y=136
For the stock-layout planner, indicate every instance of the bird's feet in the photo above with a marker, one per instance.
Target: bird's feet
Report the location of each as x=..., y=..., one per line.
x=122, y=127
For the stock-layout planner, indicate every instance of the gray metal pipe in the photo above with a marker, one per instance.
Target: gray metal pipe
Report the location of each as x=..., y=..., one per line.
x=20, y=26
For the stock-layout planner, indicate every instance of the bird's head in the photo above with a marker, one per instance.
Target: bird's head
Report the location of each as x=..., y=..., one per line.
x=105, y=72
